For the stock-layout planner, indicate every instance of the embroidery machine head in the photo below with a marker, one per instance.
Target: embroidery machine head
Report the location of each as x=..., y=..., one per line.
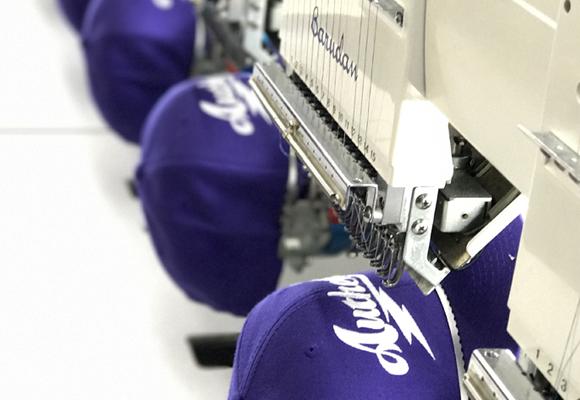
x=415, y=118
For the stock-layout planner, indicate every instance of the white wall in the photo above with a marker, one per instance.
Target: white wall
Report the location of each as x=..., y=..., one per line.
x=42, y=81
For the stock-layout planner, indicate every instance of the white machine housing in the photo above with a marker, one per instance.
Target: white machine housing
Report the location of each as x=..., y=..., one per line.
x=497, y=69
x=506, y=75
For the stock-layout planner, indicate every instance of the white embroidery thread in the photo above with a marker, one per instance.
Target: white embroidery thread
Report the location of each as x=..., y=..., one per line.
x=167, y=4
x=375, y=311
x=234, y=103
x=163, y=4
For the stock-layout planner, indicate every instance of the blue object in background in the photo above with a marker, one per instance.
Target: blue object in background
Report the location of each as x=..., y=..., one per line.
x=339, y=240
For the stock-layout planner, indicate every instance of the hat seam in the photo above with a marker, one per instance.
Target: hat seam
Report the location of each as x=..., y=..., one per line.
x=132, y=35
x=208, y=229
x=259, y=353
x=165, y=164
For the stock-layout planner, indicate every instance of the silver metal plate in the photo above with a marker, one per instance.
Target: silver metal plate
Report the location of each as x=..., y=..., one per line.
x=417, y=243
x=564, y=157
x=494, y=374
x=394, y=9
x=317, y=146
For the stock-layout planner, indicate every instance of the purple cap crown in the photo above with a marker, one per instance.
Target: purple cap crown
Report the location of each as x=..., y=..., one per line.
x=347, y=337
x=212, y=181
x=74, y=11
x=135, y=51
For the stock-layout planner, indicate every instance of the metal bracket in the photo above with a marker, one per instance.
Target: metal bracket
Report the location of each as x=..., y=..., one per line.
x=494, y=374
x=394, y=9
x=418, y=241
x=555, y=149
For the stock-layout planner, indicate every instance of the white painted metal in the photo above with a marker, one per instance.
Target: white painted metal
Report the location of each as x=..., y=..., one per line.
x=562, y=110
x=545, y=296
x=487, y=69
x=375, y=94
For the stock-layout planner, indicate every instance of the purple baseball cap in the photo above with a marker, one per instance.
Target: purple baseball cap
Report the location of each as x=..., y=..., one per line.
x=74, y=11
x=212, y=181
x=135, y=51
x=348, y=337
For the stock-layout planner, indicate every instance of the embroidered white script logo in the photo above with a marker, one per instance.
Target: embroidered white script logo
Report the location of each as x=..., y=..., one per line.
x=234, y=103
x=163, y=4
x=377, y=318
x=168, y=4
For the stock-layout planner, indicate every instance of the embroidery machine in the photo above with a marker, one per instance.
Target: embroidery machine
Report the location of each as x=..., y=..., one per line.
x=430, y=126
